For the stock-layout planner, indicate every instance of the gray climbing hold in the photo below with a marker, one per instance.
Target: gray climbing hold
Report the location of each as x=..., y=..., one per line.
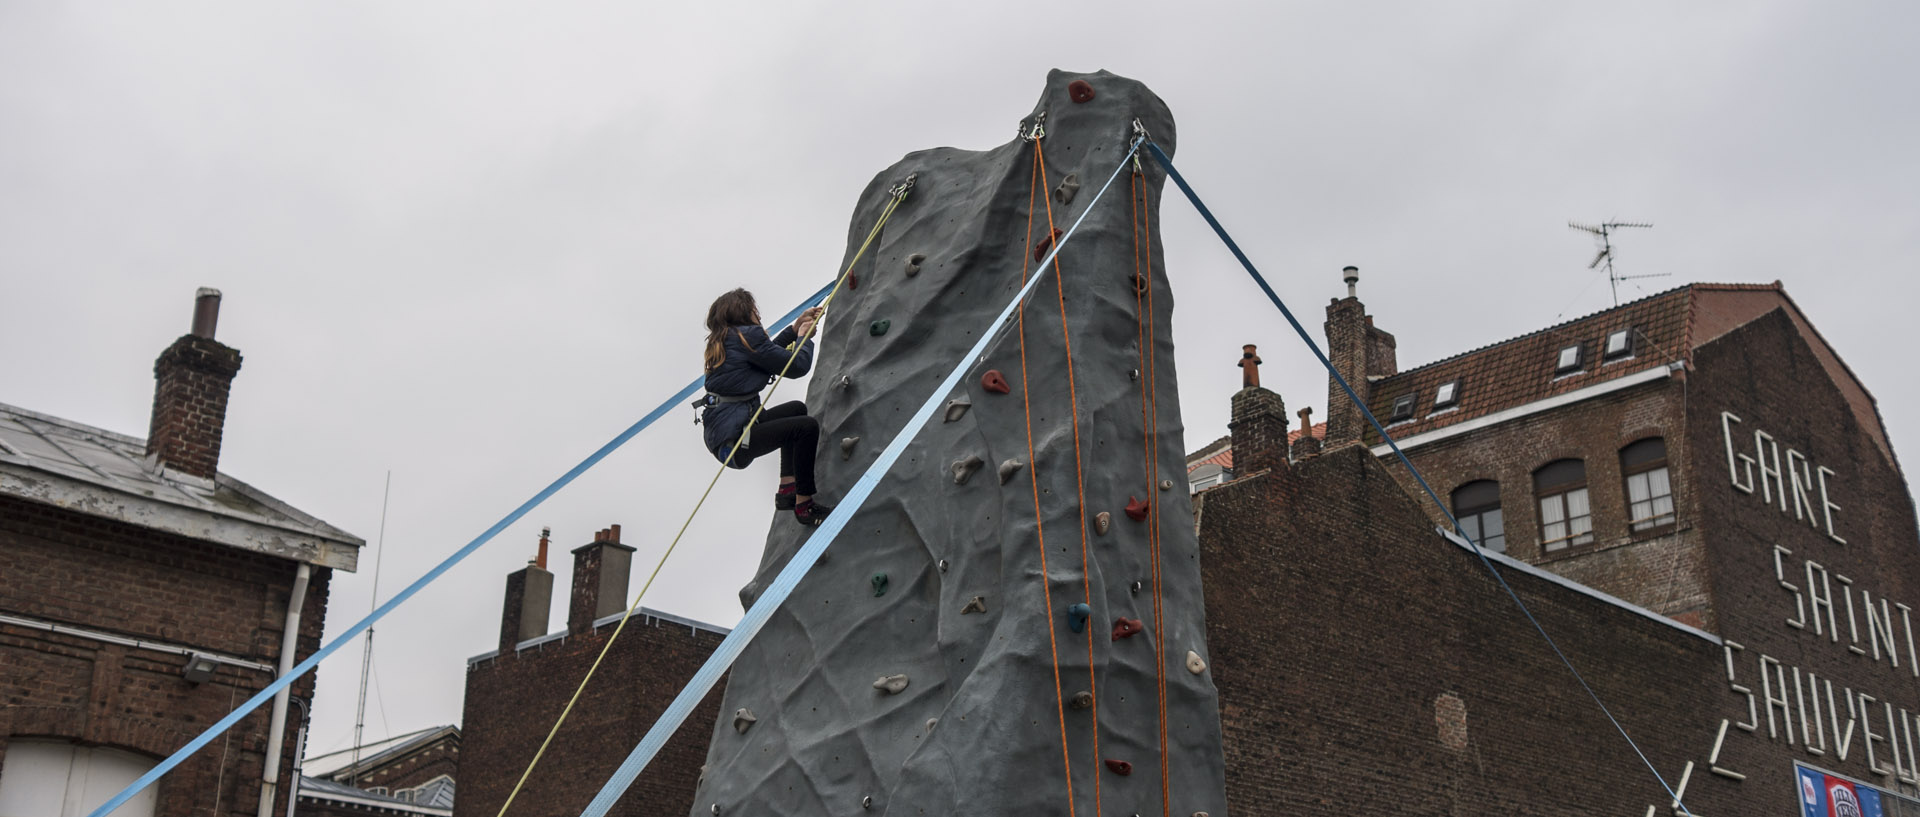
x=846, y=447
x=1077, y=616
x=913, y=263
x=957, y=408
x=1133, y=374
x=1166, y=485
x=879, y=584
x=716, y=808
x=977, y=605
x=1195, y=664
x=743, y=720
x=1081, y=700
x=845, y=381
x=1009, y=468
x=866, y=802
x=943, y=564
x=931, y=722
x=891, y=684
x=879, y=327
x=1101, y=522
x=963, y=469
x=1135, y=589
x=1068, y=186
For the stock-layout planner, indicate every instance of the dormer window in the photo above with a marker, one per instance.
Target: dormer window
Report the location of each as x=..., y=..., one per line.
x=1447, y=395
x=1570, y=360
x=1402, y=409
x=1619, y=345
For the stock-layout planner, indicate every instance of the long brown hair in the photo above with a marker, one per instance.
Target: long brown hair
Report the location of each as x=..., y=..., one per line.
x=732, y=309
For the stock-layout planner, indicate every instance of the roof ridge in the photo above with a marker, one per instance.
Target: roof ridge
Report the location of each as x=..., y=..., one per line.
x=1549, y=329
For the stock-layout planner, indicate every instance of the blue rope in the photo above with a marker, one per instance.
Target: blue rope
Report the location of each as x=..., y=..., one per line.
x=306, y=666
x=782, y=586
x=1364, y=411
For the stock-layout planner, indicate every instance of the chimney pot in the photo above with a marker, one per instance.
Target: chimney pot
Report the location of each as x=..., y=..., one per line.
x=206, y=312
x=614, y=534
x=1249, y=366
x=1351, y=275
x=541, y=561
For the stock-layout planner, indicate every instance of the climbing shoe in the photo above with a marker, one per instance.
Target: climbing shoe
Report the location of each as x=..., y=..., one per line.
x=783, y=498
x=811, y=513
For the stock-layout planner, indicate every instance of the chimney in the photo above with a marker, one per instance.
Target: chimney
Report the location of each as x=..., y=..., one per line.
x=1359, y=352
x=1259, y=425
x=529, y=598
x=191, y=381
x=599, y=580
x=1306, y=445
x=1249, y=366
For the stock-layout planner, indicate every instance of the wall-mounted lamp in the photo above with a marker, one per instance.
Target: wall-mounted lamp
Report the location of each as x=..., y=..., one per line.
x=199, y=668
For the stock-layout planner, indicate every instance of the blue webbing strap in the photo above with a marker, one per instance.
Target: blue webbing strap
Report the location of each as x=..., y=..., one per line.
x=304, y=667
x=1167, y=163
x=783, y=584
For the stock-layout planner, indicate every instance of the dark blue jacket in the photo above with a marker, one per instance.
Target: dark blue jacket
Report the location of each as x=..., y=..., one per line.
x=752, y=361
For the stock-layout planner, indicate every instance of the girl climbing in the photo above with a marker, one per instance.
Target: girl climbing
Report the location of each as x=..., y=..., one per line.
x=740, y=361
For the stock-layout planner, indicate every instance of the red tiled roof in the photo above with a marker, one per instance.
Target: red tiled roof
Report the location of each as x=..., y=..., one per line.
x=1521, y=370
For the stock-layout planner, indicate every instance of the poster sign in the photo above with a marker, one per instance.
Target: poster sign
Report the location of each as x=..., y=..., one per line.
x=1823, y=795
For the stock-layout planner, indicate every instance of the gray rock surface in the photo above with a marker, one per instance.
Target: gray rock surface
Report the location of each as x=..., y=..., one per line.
x=829, y=739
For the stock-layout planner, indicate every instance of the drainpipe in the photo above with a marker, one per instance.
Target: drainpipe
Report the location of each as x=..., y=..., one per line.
x=299, y=754
x=277, y=731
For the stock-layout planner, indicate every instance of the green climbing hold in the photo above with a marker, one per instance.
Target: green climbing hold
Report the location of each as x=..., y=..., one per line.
x=1077, y=616
x=879, y=327
x=879, y=584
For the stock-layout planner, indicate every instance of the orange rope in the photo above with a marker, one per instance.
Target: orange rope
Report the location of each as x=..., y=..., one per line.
x=1153, y=510
x=1080, y=482
x=1033, y=473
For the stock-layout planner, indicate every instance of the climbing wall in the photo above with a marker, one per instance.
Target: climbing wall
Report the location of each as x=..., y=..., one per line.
x=928, y=664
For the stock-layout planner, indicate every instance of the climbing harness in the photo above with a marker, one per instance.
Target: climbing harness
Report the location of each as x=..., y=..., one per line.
x=352, y=632
x=896, y=195
x=1173, y=173
x=803, y=559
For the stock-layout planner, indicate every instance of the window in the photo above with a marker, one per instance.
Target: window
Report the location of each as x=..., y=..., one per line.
x=1649, y=488
x=1402, y=408
x=1565, y=518
x=1619, y=345
x=1447, y=395
x=1477, y=506
x=1569, y=360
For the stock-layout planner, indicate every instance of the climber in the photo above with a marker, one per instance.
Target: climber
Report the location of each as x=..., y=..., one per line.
x=740, y=361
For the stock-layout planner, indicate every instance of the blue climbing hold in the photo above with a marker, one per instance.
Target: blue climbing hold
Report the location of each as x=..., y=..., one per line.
x=1077, y=617
x=880, y=585
x=879, y=327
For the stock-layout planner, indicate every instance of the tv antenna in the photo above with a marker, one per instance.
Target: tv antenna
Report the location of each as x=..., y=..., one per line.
x=1605, y=232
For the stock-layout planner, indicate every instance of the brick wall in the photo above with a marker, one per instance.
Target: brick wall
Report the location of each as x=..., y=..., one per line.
x=513, y=699
x=192, y=379
x=423, y=764
x=105, y=576
x=1367, y=666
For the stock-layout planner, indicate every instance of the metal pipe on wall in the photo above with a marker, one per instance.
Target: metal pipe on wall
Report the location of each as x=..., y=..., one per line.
x=277, y=730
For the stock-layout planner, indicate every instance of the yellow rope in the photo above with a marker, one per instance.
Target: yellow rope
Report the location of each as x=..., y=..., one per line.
x=892, y=204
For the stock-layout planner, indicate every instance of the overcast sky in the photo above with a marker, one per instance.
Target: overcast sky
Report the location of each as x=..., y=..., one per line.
x=469, y=245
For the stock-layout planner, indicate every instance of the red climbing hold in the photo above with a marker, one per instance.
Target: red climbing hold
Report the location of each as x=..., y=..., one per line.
x=853, y=281
x=1137, y=509
x=1120, y=767
x=1040, y=249
x=1125, y=627
x=1080, y=91
x=994, y=381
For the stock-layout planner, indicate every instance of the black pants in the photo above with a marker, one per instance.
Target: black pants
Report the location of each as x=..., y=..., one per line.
x=787, y=428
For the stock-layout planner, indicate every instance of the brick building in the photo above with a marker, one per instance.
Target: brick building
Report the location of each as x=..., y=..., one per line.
x=143, y=595
x=515, y=693
x=414, y=773
x=1693, y=494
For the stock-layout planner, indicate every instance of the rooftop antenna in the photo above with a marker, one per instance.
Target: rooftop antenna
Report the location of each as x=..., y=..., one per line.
x=1605, y=232
x=366, y=658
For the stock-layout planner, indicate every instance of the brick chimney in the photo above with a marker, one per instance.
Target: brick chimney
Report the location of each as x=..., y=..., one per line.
x=1360, y=352
x=191, y=380
x=529, y=598
x=1259, y=423
x=599, y=580
x=1306, y=445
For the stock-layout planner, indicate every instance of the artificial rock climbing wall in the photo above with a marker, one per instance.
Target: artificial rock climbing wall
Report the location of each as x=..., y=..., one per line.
x=914, y=671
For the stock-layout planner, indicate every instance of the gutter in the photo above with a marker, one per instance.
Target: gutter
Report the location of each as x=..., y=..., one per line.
x=277, y=731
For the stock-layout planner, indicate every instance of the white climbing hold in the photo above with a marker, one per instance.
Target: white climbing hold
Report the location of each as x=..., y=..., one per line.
x=957, y=408
x=943, y=564
x=846, y=447
x=1135, y=589
x=1101, y=522
x=1133, y=374
x=716, y=808
x=963, y=469
x=931, y=722
x=1195, y=664
x=1009, y=468
x=867, y=801
x=1068, y=187
x=845, y=381
x=1166, y=485
x=977, y=605
x=743, y=720
x=913, y=263
x=891, y=684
